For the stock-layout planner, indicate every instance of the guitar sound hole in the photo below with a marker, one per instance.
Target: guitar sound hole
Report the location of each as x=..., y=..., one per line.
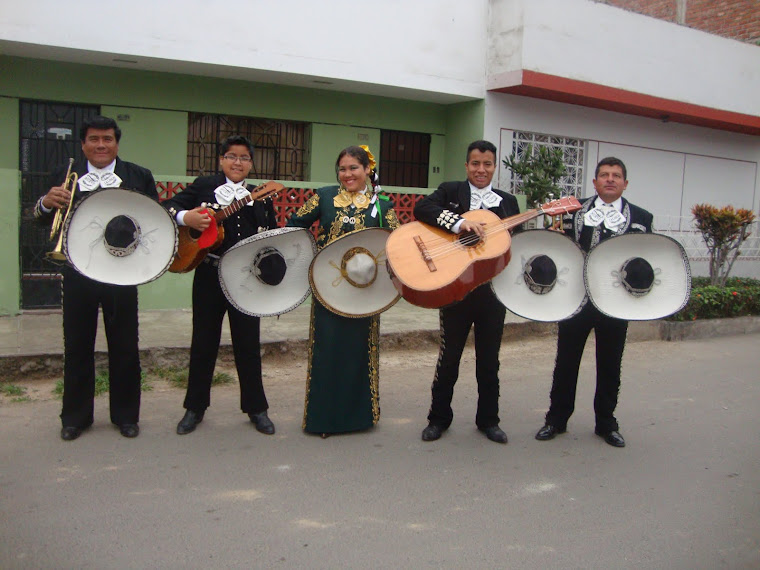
x=195, y=234
x=468, y=239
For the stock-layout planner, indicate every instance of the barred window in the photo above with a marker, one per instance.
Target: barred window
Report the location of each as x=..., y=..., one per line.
x=404, y=158
x=280, y=147
x=572, y=153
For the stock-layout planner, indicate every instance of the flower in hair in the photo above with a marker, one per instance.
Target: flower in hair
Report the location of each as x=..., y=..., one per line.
x=372, y=162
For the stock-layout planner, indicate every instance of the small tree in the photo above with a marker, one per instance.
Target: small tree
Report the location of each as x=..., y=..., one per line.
x=539, y=173
x=724, y=230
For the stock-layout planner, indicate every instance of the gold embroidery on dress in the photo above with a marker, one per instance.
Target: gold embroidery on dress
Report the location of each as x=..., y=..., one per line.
x=391, y=219
x=374, y=366
x=310, y=357
x=344, y=198
x=310, y=205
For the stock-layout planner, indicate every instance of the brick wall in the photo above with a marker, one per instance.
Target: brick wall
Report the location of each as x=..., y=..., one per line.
x=735, y=19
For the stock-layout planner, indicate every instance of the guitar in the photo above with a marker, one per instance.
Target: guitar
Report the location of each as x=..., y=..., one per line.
x=432, y=267
x=193, y=245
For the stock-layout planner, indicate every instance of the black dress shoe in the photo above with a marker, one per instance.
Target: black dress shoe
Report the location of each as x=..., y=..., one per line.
x=189, y=422
x=70, y=433
x=262, y=423
x=129, y=430
x=432, y=432
x=612, y=437
x=495, y=433
x=548, y=432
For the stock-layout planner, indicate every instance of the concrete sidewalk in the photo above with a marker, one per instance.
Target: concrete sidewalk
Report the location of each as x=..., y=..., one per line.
x=39, y=333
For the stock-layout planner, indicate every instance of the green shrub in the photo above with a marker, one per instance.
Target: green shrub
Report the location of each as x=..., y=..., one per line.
x=738, y=298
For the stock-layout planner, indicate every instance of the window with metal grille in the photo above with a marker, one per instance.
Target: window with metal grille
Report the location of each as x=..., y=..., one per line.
x=280, y=147
x=572, y=154
x=404, y=158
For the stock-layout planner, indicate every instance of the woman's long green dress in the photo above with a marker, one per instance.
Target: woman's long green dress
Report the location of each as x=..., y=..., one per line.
x=342, y=382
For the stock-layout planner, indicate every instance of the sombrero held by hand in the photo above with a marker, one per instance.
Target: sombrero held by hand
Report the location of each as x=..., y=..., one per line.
x=638, y=277
x=349, y=277
x=267, y=274
x=120, y=237
x=544, y=280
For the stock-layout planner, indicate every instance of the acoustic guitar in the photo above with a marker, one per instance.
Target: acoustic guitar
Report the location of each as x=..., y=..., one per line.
x=194, y=245
x=432, y=267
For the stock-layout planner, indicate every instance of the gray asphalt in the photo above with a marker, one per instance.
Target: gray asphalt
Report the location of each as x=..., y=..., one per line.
x=684, y=493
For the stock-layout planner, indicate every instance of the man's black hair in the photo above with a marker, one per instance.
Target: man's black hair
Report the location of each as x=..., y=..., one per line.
x=236, y=140
x=101, y=123
x=611, y=161
x=482, y=146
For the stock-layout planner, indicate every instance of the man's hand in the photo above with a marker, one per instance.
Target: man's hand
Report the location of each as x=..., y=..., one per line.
x=57, y=197
x=197, y=218
x=475, y=227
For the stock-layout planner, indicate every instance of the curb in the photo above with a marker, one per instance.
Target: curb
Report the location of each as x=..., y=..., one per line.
x=27, y=367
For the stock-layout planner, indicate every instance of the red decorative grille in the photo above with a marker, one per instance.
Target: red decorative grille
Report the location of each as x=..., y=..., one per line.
x=288, y=201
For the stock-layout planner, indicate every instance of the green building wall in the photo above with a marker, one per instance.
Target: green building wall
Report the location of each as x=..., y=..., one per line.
x=152, y=110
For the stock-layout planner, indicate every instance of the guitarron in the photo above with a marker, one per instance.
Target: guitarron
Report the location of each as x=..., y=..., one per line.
x=432, y=267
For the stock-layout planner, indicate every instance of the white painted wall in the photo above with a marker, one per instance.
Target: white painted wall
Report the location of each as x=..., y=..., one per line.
x=429, y=45
x=601, y=44
x=671, y=167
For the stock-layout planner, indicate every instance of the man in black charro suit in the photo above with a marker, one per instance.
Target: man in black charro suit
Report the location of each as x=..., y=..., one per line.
x=481, y=308
x=209, y=302
x=602, y=216
x=82, y=296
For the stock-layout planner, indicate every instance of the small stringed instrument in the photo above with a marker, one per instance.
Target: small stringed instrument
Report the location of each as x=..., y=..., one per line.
x=432, y=267
x=194, y=245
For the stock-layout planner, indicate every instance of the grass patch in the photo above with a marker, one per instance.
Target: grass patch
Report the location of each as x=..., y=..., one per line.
x=12, y=390
x=175, y=375
x=221, y=378
x=101, y=384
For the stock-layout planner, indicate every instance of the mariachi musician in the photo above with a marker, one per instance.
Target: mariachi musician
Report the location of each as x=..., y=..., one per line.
x=480, y=308
x=191, y=208
x=82, y=296
x=602, y=216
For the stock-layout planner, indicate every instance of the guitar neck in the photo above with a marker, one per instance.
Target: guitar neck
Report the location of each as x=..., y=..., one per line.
x=517, y=219
x=258, y=193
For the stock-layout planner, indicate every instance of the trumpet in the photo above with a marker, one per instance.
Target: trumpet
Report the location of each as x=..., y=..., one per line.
x=69, y=183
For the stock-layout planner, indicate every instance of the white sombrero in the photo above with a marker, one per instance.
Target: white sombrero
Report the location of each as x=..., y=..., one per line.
x=638, y=277
x=267, y=274
x=544, y=281
x=349, y=275
x=120, y=236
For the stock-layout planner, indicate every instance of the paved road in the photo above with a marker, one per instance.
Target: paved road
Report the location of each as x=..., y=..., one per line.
x=684, y=494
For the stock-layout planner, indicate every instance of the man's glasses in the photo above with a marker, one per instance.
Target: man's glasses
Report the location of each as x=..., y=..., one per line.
x=233, y=158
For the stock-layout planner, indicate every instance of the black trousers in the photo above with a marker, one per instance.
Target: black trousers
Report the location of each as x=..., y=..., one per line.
x=81, y=298
x=610, y=342
x=481, y=309
x=209, y=307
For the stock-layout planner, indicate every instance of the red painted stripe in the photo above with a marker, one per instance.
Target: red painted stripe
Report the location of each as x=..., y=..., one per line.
x=564, y=90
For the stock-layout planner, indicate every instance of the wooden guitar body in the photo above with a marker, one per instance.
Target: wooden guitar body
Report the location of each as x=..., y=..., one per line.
x=189, y=254
x=193, y=245
x=433, y=268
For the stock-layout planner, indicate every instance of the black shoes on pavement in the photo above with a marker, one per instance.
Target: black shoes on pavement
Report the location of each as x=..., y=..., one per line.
x=70, y=433
x=432, y=432
x=435, y=431
x=548, y=432
x=495, y=433
x=262, y=422
x=189, y=422
x=612, y=437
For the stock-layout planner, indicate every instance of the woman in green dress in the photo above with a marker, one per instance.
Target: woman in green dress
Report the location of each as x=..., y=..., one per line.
x=342, y=381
